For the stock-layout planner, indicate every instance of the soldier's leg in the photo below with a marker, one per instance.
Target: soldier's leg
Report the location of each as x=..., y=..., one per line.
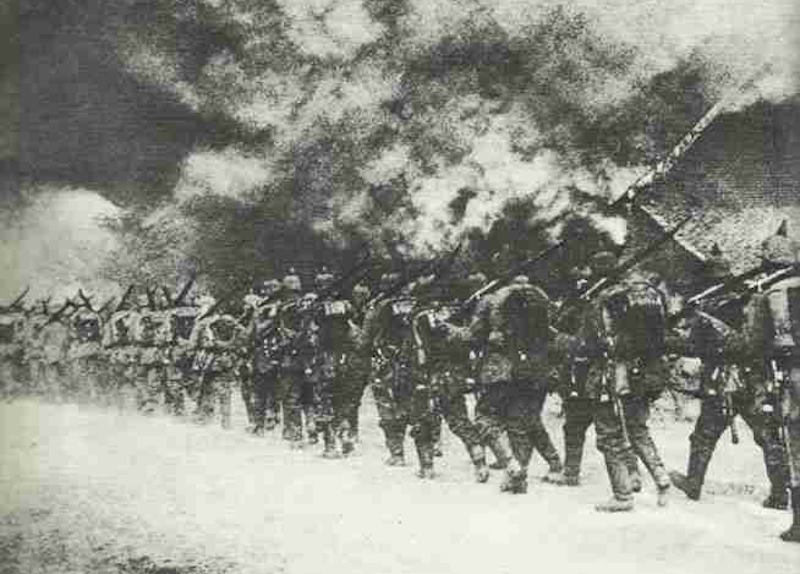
x=246, y=384
x=260, y=381
x=224, y=384
x=489, y=421
x=793, y=447
x=292, y=406
x=766, y=433
x=611, y=444
x=392, y=418
x=423, y=423
x=307, y=406
x=454, y=410
x=521, y=408
x=637, y=414
x=578, y=416
x=541, y=438
x=324, y=409
x=205, y=396
x=709, y=427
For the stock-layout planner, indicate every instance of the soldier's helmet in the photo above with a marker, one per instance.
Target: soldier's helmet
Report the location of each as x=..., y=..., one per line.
x=602, y=263
x=323, y=280
x=360, y=293
x=717, y=267
x=779, y=249
x=388, y=279
x=142, y=301
x=269, y=287
x=292, y=283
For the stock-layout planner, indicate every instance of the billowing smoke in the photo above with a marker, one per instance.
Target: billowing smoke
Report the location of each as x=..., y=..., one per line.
x=57, y=246
x=405, y=122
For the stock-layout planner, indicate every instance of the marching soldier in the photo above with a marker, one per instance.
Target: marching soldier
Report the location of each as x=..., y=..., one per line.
x=180, y=377
x=12, y=352
x=121, y=350
x=732, y=383
x=510, y=336
x=579, y=395
x=333, y=374
x=54, y=338
x=85, y=355
x=360, y=363
x=776, y=334
x=444, y=341
x=152, y=335
x=217, y=338
x=296, y=358
x=403, y=398
x=623, y=337
x=266, y=357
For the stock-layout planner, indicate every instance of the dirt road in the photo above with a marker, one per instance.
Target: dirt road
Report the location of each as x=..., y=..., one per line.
x=86, y=490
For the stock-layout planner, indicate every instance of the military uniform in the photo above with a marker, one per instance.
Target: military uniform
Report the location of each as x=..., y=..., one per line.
x=180, y=377
x=85, y=356
x=267, y=341
x=152, y=333
x=12, y=353
x=296, y=356
x=55, y=342
x=732, y=383
x=446, y=349
x=510, y=337
x=619, y=365
x=402, y=396
x=332, y=372
x=216, y=339
x=121, y=351
x=776, y=336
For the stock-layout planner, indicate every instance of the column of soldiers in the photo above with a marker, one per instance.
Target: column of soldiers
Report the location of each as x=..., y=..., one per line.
x=302, y=361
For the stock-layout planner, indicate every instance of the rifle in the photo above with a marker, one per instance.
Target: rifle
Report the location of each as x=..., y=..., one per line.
x=513, y=272
x=727, y=399
x=124, y=297
x=57, y=315
x=615, y=276
x=758, y=284
x=86, y=300
x=151, y=299
x=185, y=291
x=17, y=300
x=611, y=393
x=105, y=306
x=437, y=267
x=776, y=390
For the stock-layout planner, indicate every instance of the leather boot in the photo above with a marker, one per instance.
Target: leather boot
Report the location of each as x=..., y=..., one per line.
x=479, y=461
x=778, y=498
x=615, y=504
x=622, y=500
x=425, y=454
x=501, y=449
x=634, y=475
x=692, y=482
x=793, y=534
x=329, y=440
x=394, y=443
x=516, y=479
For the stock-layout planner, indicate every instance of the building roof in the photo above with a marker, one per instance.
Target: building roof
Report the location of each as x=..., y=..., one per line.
x=738, y=184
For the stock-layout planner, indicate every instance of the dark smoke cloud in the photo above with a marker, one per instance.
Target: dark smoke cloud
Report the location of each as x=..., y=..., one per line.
x=344, y=119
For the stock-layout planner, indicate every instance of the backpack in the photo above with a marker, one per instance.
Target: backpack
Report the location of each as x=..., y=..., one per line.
x=639, y=326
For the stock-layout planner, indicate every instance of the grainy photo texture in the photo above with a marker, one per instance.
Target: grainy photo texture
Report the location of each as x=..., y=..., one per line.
x=399, y=286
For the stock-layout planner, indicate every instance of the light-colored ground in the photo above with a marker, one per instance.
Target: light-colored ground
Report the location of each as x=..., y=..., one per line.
x=88, y=490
